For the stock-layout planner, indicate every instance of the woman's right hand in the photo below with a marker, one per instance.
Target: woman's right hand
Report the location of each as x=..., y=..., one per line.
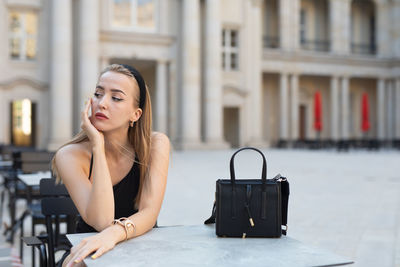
x=95, y=136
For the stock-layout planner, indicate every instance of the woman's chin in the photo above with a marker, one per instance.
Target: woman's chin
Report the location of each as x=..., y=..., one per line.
x=99, y=128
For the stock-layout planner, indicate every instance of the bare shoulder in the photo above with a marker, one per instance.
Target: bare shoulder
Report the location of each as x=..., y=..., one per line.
x=77, y=154
x=73, y=150
x=160, y=142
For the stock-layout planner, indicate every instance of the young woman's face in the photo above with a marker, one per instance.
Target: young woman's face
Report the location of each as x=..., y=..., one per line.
x=114, y=102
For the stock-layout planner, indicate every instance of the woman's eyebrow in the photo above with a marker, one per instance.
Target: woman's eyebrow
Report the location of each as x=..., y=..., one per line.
x=112, y=90
x=117, y=91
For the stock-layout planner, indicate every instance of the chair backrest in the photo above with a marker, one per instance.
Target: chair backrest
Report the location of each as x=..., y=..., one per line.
x=56, y=206
x=49, y=187
x=32, y=161
x=55, y=202
x=36, y=156
x=31, y=167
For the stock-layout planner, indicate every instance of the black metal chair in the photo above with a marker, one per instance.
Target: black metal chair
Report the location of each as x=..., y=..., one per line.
x=25, y=162
x=55, y=204
x=10, y=186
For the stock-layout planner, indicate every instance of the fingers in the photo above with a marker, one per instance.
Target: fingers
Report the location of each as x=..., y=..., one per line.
x=76, y=248
x=85, y=112
x=82, y=254
x=86, y=251
x=99, y=252
x=88, y=105
x=85, y=120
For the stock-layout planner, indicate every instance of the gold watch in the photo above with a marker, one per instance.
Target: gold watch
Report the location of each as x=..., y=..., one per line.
x=126, y=223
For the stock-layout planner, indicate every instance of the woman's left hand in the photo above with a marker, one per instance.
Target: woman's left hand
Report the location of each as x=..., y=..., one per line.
x=99, y=244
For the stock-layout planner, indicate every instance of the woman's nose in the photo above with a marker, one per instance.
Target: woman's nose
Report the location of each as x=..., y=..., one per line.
x=103, y=102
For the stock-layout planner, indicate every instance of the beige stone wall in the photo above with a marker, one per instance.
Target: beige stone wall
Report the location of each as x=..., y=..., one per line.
x=174, y=63
x=20, y=80
x=232, y=12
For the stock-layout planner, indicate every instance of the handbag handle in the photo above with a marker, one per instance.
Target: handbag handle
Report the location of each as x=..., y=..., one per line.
x=264, y=167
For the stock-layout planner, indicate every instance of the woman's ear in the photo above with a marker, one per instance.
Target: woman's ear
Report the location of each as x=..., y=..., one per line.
x=136, y=115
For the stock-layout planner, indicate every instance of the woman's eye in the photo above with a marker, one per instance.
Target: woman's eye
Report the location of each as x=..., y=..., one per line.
x=116, y=99
x=96, y=95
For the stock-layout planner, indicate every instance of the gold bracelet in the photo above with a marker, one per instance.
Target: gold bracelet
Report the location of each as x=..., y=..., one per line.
x=126, y=223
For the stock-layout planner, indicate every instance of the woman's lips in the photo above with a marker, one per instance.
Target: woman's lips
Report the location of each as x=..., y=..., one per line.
x=101, y=116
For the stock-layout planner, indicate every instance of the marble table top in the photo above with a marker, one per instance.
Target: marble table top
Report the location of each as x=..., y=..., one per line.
x=32, y=179
x=198, y=245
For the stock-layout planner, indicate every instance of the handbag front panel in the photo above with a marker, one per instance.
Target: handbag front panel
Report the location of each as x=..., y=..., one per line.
x=232, y=216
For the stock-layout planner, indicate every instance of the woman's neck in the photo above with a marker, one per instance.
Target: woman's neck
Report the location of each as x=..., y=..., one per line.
x=117, y=145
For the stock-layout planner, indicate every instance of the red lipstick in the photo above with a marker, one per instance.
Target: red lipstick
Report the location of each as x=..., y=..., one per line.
x=101, y=116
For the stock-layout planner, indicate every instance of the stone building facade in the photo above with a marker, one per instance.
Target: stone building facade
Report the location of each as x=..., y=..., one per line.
x=221, y=72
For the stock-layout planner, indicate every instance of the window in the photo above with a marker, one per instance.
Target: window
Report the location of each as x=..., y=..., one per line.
x=134, y=14
x=23, y=35
x=22, y=122
x=230, y=50
x=302, y=26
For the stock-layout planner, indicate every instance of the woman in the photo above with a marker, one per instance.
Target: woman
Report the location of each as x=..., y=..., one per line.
x=115, y=169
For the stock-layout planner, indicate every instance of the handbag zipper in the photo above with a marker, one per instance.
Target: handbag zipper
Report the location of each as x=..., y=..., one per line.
x=248, y=193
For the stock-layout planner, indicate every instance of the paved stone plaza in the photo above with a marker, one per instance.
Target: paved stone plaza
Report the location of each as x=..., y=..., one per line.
x=347, y=203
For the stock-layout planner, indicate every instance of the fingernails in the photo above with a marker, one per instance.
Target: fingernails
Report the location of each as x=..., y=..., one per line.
x=77, y=260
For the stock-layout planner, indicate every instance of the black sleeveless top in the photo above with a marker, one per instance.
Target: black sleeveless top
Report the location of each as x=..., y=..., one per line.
x=125, y=193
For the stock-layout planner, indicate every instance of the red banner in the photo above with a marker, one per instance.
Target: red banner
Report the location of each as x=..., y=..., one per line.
x=317, y=111
x=365, y=124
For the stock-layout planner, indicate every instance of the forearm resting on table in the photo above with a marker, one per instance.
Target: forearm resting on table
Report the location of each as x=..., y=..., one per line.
x=144, y=221
x=100, y=207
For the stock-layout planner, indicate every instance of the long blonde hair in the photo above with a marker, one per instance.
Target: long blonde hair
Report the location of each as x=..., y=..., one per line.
x=139, y=135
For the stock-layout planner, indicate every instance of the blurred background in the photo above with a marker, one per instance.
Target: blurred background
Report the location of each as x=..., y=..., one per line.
x=221, y=74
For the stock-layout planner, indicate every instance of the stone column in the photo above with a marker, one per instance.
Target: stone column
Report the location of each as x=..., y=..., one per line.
x=163, y=16
x=380, y=117
x=255, y=74
x=190, y=126
x=389, y=110
x=283, y=107
x=161, y=97
x=213, y=86
x=88, y=63
x=334, y=108
x=61, y=74
x=345, y=108
x=284, y=24
x=397, y=108
x=340, y=21
x=295, y=25
x=289, y=24
x=294, y=104
x=395, y=25
x=383, y=26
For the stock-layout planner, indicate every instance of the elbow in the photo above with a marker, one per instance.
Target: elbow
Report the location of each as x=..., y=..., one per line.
x=99, y=222
x=152, y=217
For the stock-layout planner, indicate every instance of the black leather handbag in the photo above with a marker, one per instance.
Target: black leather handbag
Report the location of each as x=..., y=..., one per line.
x=250, y=207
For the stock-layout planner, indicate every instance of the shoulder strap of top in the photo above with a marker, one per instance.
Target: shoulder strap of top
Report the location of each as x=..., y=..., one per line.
x=91, y=165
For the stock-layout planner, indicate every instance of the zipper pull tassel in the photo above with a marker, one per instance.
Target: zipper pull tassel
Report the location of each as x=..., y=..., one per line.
x=250, y=217
x=248, y=197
